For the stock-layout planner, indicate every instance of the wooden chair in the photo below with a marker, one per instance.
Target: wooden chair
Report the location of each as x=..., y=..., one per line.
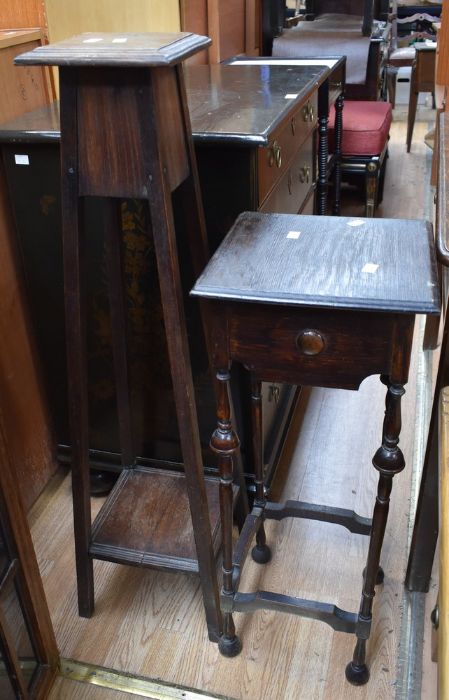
x=400, y=55
x=366, y=128
x=333, y=30
x=422, y=80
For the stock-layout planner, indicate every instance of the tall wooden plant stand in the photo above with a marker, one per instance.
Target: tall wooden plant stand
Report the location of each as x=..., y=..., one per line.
x=317, y=301
x=125, y=132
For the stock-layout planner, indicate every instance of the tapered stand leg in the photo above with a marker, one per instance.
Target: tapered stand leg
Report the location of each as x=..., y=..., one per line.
x=75, y=313
x=389, y=461
x=225, y=444
x=261, y=552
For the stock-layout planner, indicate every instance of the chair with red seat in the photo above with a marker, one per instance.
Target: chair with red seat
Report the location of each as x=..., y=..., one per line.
x=366, y=128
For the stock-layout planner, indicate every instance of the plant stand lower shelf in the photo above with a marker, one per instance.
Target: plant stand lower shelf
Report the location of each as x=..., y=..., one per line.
x=146, y=521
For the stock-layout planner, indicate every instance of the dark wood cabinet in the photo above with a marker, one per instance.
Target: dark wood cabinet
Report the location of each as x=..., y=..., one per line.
x=240, y=115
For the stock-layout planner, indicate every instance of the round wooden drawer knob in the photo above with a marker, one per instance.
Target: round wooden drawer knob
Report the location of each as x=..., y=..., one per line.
x=310, y=342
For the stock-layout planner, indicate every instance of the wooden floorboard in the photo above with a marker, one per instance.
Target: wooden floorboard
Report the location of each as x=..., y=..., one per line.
x=152, y=624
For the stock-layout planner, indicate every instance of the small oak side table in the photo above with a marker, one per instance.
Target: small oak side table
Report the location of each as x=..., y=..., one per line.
x=125, y=133
x=316, y=301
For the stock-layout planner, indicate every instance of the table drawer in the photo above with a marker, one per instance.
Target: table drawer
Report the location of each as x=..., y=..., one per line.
x=310, y=347
x=274, y=159
x=336, y=83
x=291, y=191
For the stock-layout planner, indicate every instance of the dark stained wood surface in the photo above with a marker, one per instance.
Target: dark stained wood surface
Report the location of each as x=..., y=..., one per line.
x=112, y=49
x=146, y=521
x=233, y=104
x=244, y=104
x=286, y=259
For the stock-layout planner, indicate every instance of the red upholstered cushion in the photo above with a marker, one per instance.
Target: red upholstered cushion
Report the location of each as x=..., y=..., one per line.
x=365, y=127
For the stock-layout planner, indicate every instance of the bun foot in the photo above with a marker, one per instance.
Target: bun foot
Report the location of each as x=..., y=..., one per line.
x=261, y=553
x=101, y=482
x=229, y=646
x=357, y=674
x=380, y=576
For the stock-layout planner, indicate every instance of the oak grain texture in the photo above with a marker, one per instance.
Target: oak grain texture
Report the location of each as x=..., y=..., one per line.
x=142, y=525
x=26, y=88
x=280, y=258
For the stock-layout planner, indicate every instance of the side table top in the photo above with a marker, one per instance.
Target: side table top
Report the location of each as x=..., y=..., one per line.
x=112, y=49
x=334, y=262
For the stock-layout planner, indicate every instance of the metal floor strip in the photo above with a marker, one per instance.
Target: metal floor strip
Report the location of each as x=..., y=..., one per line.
x=127, y=683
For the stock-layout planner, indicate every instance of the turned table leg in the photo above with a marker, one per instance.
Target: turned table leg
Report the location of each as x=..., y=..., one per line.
x=338, y=135
x=225, y=444
x=388, y=461
x=261, y=552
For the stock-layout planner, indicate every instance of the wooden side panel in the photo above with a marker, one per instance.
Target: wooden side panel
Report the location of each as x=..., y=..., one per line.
x=31, y=588
x=193, y=18
x=21, y=396
x=227, y=29
x=22, y=13
x=69, y=18
x=103, y=139
x=22, y=88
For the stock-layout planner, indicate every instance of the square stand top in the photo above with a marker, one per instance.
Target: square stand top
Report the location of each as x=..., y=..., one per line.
x=334, y=262
x=111, y=49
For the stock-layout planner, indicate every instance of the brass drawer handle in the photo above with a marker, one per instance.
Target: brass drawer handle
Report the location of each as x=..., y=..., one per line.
x=274, y=393
x=310, y=342
x=293, y=125
x=275, y=157
x=289, y=182
x=304, y=174
x=308, y=113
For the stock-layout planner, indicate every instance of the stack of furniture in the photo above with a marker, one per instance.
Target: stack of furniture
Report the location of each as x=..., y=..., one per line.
x=335, y=28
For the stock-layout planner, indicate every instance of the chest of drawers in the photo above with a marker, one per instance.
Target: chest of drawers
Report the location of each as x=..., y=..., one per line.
x=240, y=116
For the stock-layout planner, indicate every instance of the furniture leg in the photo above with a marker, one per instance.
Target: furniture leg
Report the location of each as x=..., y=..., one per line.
x=164, y=236
x=323, y=154
x=413, y=101
x=75, y=312
x=338, y=134
x=389, y=461
x=392, y=75
x=371, y=185
x=225, y=444
x=261, y=552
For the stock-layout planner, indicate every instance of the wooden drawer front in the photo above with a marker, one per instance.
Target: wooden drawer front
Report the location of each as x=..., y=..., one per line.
x=290, y=193
x=274, y=160
x=336, y=84
x=310, y=347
